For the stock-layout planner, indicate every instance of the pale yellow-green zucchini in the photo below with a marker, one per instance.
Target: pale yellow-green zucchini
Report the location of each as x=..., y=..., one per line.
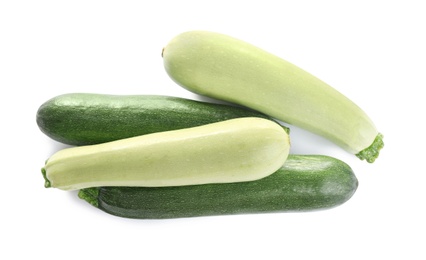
x=235, y=150
x=229, y=69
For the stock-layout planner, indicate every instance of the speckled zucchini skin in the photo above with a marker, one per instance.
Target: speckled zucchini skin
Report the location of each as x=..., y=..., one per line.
x=304, y=183
x=85, y=118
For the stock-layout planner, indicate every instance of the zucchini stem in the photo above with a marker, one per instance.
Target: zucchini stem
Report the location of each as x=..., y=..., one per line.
x=46, y=180
x=371, y=153
x=286, y=129
x=90, y=195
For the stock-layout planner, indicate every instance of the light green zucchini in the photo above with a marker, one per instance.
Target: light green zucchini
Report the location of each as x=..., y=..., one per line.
x=303, y=183
x=235, y=150
x=226, y=68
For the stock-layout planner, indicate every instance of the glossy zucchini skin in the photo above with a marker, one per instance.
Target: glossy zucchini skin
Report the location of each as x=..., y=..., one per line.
x=304, y=183
x=89, y=118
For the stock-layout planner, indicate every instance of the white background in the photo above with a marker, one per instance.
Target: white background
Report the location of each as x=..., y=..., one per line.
x=372, y=51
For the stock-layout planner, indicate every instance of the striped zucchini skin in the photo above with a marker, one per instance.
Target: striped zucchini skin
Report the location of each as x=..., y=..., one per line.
x=88, y=118
x=304, y=183
x=225, y=68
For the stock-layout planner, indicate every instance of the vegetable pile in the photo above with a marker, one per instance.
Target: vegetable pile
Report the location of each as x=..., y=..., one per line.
x=146, y=156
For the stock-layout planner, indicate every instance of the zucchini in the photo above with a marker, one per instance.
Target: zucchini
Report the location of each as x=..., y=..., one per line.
x=221, y=67
x=234, y=150
x=304, y=183
x=86, y=118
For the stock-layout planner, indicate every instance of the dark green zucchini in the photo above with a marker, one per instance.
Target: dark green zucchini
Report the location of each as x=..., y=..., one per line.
x=83, y=118
x=304, y=183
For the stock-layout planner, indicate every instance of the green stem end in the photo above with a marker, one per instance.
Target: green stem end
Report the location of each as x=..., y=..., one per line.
x=90, y=195
x=371, y=153
x=47, y=183
x=286, y=129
